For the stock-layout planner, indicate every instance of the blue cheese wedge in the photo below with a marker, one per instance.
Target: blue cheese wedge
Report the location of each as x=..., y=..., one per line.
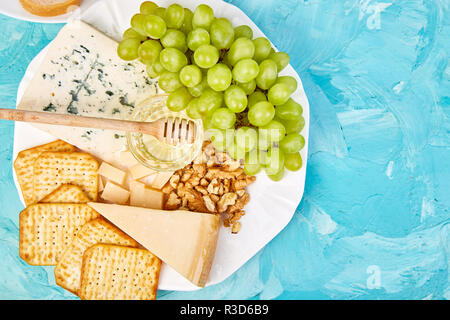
x=81, y=74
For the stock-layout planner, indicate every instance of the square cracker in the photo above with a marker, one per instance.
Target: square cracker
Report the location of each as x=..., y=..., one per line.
x=52, y=169
x=47, y=229
x=66, y=193
x=68, y=269
x=111, y=272
x=23, y=165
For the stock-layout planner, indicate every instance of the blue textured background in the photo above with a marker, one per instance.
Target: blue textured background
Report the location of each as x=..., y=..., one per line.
x=374, y=220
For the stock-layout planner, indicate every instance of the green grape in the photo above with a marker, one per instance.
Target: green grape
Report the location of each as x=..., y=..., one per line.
x=179, y=99
x=197, y=90
x=155, y=70
x=267, y=74
x=222, y=33
x=174, y=16
x=263, y=158
x=256, y=97
x=235, y=152
x=246, y=138
x=148, y=7
x=220, y=139
x=277, y=176
x=130, y=33
x=293, y=161
x=206, y=56
x=242, y=48
x=151, y=73
x=261, y=113
x=280, y=58
x=210, y=101
x=203, y=17
x=190, y=76
x=264, y=142
x=290, y=110
x=128, y=49
x=235, y=99
x=174, y=39
x=192, y=109
x=172, y=59
x=275, y=160
x=219, y=77
x=137, y=23
x=197, y=38
x=251, y=164
x=245, y=70
x=289, y=81
x=157, y=67
x=154, y=26
x=292, y=125
x=243, y=31
x=149, y=51
x=262, y=49
x=223, y=118
x=187, y=23
x=160, y=12
x=207, y=122
x=279, y=94
x=274, y=131
x=292, y=143
x=248, y=87
x=169, y=81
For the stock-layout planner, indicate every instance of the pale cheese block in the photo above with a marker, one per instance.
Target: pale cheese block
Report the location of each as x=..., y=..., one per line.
x=161, y=179
x=139, y=171
x=143, y=196
x=115, y=193
x=137, y=193
x=112, y=173
x=127, y=159
x=184, y=240
x=101, y=184
x=82, y=74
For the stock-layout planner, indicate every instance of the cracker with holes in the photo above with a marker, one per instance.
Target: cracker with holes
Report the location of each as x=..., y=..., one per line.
x=111, y=272
x=66, y=193
x=68, y=269
x=52, y=169
x=47, y=229
x=23, y=165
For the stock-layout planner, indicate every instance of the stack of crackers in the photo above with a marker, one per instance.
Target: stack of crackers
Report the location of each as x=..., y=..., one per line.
x=93, y=258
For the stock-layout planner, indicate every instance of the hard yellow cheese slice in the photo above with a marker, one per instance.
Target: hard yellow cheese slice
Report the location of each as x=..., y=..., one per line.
x=184, y=240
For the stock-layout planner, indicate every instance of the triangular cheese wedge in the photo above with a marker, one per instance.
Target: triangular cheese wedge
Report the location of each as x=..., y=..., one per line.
x=81, y=73
x=184, y=240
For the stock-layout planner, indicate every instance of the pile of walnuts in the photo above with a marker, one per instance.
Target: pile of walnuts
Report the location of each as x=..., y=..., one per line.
x=214, y=183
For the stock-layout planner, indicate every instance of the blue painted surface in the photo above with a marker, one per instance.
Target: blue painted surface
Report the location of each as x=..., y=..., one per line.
x=374, y=220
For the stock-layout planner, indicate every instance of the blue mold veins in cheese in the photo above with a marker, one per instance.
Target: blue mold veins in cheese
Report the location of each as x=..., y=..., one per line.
x=81, y=74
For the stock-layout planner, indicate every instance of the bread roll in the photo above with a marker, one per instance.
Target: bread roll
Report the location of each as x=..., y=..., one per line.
x=49, y=8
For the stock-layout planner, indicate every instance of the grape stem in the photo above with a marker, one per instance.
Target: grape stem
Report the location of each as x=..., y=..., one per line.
x=222, y=54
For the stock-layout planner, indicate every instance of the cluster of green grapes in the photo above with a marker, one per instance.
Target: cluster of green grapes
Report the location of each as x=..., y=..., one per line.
x=222, y=75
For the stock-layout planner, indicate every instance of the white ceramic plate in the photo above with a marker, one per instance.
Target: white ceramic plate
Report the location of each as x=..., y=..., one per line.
x=272, y=204
x=14, y=9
